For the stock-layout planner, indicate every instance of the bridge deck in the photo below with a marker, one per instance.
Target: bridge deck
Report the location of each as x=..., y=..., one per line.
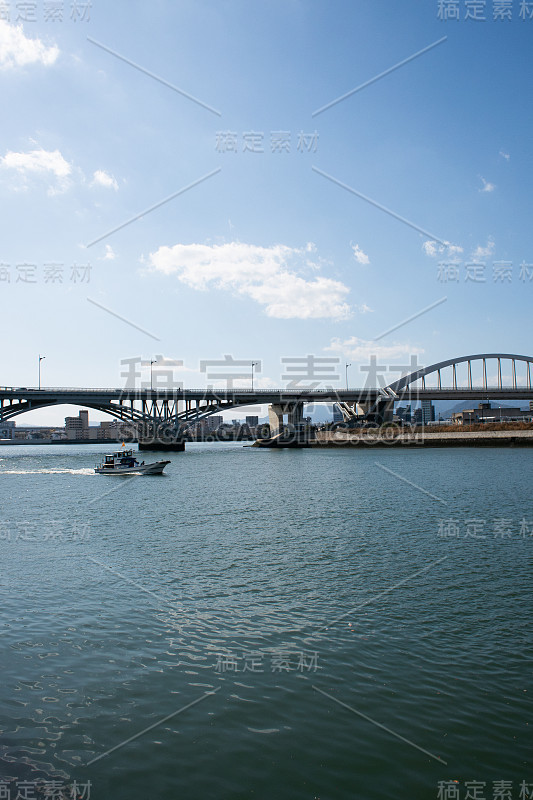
x=263, y=396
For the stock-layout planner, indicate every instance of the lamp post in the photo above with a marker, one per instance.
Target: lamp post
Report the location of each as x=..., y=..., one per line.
x=254, y=364
x=151, y=375
x=347, y=365
x=41, y=358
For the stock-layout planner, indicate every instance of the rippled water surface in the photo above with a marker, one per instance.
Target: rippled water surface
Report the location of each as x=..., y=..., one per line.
x=287, y=624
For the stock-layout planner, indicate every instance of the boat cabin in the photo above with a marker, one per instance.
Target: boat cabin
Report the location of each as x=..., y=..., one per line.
x=124, y=458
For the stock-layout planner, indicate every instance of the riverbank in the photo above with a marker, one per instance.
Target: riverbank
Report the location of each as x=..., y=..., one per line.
x=393, y=438
x=17, y=442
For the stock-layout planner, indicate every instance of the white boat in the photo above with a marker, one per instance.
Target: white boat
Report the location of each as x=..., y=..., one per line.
x=125, y=463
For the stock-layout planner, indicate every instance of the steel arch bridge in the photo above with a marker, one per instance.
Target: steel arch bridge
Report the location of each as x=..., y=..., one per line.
x=176, y=409
x=414, y=386
x=482, y=358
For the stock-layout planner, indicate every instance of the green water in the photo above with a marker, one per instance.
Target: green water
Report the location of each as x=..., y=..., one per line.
x=298, y=599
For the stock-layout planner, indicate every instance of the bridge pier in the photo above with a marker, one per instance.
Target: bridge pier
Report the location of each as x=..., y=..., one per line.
x=380, y=411
x=292, y=434
x=275, y=419
x=294, y=412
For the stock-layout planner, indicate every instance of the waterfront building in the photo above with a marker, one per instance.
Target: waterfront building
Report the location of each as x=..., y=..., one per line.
x=106, y=430
x=77, y=427
x=416, y=417
x=113, y=430
x=486, y=413
x=337, y=413
x=7, y=430
x=404, y=413
x=214, y=422
x=38, y=433
x=428, y=412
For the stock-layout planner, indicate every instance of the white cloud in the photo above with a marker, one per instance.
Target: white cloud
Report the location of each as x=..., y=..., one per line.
x=505, y=155
x=269, y=275
x=487, y=187
x=102, y=178
x=51, y=166
x=38, y=161
x=17, y=50
x=483, y=252
x=42, y=163
x=433, y=249
x=364, y=309
x=453, y=250
x=359, y=256
x=361, y=349
x=430, y=248
x=109, y=254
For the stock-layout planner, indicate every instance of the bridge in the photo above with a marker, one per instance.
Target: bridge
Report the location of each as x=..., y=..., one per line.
x=162, y=415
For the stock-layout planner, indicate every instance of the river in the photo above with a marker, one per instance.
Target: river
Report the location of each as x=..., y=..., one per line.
x=268, y=624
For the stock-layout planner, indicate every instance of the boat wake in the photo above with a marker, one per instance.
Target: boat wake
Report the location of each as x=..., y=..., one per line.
x=84, y=471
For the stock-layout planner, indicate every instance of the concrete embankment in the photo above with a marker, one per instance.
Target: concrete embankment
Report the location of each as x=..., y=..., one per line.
x=516, y=438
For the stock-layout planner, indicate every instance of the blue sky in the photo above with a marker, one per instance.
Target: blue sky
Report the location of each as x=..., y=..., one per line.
x=267, y=258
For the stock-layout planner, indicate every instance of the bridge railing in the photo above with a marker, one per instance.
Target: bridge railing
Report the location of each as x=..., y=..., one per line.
x=139, y=390
x=259, y=392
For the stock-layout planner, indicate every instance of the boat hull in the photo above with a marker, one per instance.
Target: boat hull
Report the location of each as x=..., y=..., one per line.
x=142, y=469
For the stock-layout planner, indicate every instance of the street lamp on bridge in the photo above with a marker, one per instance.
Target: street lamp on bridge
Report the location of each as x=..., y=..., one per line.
x=347, y=365
x=41, y=358
x=151, y=375
x=254, y=364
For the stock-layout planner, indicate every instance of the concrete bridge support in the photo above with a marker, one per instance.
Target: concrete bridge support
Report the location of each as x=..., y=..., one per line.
x=379, y=411
x=275, y=419
x=294, y=431
x=294, y=412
